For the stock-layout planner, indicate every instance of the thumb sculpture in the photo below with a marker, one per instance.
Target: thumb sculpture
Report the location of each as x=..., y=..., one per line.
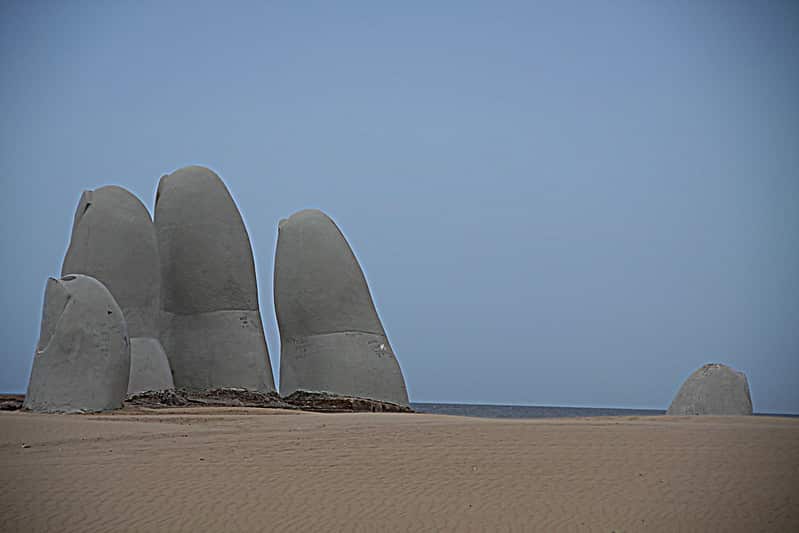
x=211, y=327
x=714, y=389
x=331, y=337
x=82, y=360
x=113, y=240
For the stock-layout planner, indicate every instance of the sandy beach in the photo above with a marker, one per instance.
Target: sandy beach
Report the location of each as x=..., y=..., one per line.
x=226, y=469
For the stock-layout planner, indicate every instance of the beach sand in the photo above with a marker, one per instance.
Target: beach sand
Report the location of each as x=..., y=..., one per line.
x=227, y=469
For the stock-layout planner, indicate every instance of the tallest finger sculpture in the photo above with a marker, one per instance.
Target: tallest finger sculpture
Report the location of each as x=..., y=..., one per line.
x=211, y=325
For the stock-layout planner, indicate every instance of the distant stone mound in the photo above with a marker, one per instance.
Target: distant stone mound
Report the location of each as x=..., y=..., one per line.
x=113, y=240
x=332, y=340
x=82, y=360
x=714, y=389
x=211, y=325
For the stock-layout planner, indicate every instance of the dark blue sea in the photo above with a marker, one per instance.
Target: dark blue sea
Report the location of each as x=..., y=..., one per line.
x=525, y=411
x=536, y=411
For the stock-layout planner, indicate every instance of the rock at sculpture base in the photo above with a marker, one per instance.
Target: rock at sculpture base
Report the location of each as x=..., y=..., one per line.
x=113, y=240
x=322, y=402
x=222, y=397
x=11, y=402
x=82, y=361
x=211, y=326
x=230, y=397
x=714, y=389
x=332, y=340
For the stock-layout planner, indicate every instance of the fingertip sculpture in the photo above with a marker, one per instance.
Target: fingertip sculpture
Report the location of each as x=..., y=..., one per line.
x=212, y=327
x=714, y=389
x=114, y=241
x=331, y=337
x=82, y=360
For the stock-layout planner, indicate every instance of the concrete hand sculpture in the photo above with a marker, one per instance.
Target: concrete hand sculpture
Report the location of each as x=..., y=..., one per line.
x=331, y=337
x=714, y=389
x=211, y=328
x=113, y=240
x=82, y=360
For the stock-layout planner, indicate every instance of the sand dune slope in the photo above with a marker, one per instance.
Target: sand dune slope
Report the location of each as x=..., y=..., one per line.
x=251, y=470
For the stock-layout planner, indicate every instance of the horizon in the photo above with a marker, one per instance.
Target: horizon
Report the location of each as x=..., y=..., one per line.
x=550, y=208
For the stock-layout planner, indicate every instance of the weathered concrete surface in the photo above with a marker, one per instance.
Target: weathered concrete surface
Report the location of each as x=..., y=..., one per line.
x=331, y=337
x=211, y=325
x=221, y=349
x=113, y=240
x=149, y=366
x=714, y=389
x=82, y=360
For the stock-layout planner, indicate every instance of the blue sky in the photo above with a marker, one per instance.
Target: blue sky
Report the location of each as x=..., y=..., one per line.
x=555, y=203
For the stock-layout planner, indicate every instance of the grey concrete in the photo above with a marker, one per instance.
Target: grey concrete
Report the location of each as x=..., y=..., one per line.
x=218, y=349
x=331, y=337
x=211, y=325
x=113, y=240
x=714, y=389
x=149, y=366
x=82, y=360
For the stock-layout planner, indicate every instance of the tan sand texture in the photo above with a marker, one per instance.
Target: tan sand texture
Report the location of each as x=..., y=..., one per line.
x=218, y=469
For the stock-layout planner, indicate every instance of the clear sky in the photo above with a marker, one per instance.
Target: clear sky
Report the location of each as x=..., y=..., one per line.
x=555, y=203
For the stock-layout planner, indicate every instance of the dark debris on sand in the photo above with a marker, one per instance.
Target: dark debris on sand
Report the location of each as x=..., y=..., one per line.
x=225, y=397
x=11, y=402
x=320, y=402
x=331, y=403
x=229, y=397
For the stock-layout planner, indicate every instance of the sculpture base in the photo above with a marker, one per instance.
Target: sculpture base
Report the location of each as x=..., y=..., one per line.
x=221, y=349
x=352, y=364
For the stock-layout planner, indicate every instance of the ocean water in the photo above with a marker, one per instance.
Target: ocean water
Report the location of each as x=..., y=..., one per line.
x=526, y=411
x=539, y=411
